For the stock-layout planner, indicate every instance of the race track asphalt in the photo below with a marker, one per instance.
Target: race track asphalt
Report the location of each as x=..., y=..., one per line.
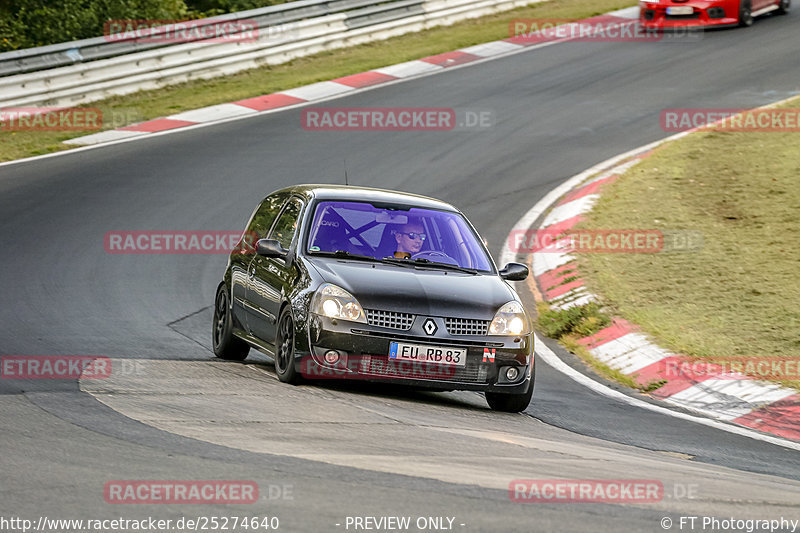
x=353, y=451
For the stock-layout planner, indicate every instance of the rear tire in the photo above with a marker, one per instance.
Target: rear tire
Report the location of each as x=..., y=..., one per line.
x=284, y=348
x=745, y=13
x=226, y=344
x=783, y=7
x=510, y=403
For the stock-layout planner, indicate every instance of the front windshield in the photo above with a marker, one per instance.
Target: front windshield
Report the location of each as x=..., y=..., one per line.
x=396, y=231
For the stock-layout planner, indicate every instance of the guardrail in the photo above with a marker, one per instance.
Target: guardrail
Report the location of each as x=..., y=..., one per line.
x=92, y=69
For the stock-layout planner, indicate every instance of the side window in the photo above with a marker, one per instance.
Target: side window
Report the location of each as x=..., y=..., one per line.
x=286, y=226
x=265, y=215
x=261, y=221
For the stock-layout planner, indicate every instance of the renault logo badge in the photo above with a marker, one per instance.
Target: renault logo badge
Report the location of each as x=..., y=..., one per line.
x=429, y=326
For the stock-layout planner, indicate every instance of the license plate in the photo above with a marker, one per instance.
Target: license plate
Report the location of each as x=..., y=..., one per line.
x=424, y=353
x=680, y=10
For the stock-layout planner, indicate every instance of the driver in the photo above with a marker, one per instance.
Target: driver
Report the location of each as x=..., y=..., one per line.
x=409, y=239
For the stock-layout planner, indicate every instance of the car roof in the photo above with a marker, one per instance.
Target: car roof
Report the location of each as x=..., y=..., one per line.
x=354, y=193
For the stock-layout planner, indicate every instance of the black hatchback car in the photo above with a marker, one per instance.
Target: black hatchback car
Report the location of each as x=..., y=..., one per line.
x=356, y=283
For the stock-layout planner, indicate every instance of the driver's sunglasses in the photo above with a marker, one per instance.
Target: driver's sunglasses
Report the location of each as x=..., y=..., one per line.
x=413, y=236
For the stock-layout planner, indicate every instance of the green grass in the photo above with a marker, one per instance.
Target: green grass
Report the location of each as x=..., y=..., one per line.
x=738, y=295
x=323, y=66
x=583, y=320
x=570, y=325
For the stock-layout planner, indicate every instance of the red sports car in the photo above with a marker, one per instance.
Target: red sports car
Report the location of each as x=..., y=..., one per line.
x=711, y=13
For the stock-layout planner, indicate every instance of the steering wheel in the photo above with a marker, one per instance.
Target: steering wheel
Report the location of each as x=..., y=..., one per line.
x=435, y=255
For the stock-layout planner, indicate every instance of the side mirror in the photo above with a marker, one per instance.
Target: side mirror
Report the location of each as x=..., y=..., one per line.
x=514, y=272
x=272, y=248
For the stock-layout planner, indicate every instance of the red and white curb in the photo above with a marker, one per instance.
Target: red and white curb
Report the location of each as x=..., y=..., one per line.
x=329, y=89
x=737, y=398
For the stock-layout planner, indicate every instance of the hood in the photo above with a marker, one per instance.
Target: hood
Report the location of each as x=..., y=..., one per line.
x=421, y=291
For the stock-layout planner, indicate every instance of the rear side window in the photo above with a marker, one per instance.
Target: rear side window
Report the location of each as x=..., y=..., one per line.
x=265, y=215
x=286, y=226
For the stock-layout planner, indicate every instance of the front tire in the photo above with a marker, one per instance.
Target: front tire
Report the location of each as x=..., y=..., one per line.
x=226, y=344
x=510, y=403
x=745, y=13
x=284, y=348
x=783, y=7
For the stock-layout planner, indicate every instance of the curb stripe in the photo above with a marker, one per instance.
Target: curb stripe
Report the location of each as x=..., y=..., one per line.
x=665, y=369
x=316, y=91
x=550, y=261
x=564, y=224
x=781, y=418
x=105, y=136
x=408, y=69
x=592, y=188
x=569, y=210
x=562, y=245
x=491, y=49
x=563, y=289
x=551, y=278
x=629, y=353
x=159, y=124
x=451, y=59
x=212, y=113
x=729, y=399
x=619, y=328
x=365, y=79
x=270, y=101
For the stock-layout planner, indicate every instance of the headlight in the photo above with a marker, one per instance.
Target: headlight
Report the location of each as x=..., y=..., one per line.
x=335, y=302
x=510, y=320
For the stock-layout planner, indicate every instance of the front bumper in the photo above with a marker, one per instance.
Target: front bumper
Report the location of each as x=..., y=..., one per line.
x=364, y=355
x=704, y=14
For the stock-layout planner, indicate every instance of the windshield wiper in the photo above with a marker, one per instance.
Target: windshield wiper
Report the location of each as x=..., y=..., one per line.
x=344, y=254
x=428, y=263
x=350, y=255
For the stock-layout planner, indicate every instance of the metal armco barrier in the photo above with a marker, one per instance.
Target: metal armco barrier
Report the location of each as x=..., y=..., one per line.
x=92, y=69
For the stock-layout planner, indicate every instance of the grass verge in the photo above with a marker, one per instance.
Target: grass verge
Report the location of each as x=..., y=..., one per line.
x=147, y=105
x=569, y=325
x=737, y=297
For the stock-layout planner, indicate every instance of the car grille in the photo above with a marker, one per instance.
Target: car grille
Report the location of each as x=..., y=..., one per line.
x=466, y=326
x=385, y=367
x=389, y=319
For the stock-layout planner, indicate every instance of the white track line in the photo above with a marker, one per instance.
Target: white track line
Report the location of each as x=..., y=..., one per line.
x=549, y=357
